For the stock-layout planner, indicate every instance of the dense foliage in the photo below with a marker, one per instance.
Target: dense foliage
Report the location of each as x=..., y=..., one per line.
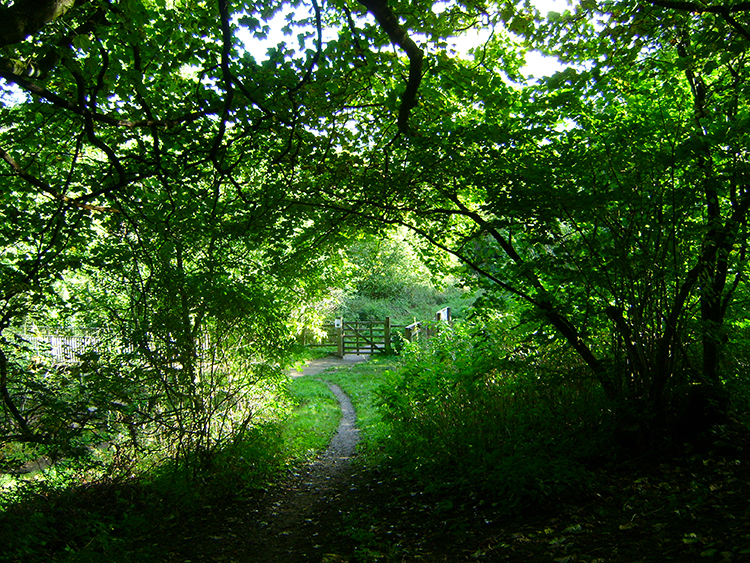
x=610, y=199
x=134, y=205
x=388, y=276
x=176, y=179
x=470, y=409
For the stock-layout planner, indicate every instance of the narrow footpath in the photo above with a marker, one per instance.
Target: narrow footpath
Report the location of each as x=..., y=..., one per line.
x=302, y=516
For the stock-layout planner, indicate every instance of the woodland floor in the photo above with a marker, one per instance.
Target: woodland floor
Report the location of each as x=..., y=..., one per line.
x=691, y=504
x=688, y=504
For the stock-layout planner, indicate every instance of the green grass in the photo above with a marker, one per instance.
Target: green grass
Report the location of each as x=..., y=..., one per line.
x=302, y=354
x=313, y=421
x=361, y=382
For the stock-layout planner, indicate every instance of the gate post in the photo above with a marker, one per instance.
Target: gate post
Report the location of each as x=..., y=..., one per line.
x=443, y=315
x=411, y=331
x=387, y=334
x=339, y=325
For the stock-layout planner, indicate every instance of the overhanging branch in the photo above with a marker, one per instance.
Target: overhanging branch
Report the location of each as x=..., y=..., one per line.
x=46, y=188
x=389, y=23
x=722, y=10
x=701, y=8
x=61, y=102
x=8, y=400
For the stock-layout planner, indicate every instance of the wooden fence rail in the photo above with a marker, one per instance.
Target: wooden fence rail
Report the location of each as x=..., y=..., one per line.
x=369, y=337
x=414, y=330
x=358, y=337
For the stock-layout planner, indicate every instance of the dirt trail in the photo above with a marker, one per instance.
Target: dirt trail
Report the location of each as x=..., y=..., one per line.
x=302, y=516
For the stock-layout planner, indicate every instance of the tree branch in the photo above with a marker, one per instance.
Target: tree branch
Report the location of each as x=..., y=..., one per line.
x=389, y=23
x=700, y=8
x=736, y=25
x=8, y=400
x=319, y=48
x=46, y=188
x=61, y=102
x=226, y=46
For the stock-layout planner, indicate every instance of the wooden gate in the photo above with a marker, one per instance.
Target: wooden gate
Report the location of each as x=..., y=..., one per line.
x=364, y=337
x=370, y=337
x=358, y=337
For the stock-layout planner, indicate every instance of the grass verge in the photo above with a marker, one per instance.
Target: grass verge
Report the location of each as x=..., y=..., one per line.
x=314, y=419
x=361, y=382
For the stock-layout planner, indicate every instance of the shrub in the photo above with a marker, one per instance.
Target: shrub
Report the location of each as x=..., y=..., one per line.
x=469, y=408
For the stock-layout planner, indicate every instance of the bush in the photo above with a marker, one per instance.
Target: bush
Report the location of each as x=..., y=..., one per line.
x=389, y=277
x=470, y=409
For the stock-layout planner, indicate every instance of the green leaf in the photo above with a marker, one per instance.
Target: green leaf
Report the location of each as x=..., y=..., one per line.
x=82, y=42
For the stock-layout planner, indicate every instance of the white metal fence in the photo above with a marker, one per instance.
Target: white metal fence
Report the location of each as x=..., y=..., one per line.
x=66, y=346
x=63, y=346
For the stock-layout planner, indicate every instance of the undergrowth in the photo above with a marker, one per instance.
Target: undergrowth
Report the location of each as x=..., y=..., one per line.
x=69, y=513
x=466, y=411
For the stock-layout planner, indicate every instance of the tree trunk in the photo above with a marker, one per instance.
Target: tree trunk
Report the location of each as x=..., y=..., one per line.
x=27, y=17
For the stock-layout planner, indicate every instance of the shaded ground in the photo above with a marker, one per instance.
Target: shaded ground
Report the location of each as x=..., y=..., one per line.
x=299, y=515
x=692, y=505
x=688, y=504
x=300, y=520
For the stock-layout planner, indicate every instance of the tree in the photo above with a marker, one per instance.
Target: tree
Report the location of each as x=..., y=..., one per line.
x=145, y=145
x=123, y=158
x=614, y=211
x=611, y=200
